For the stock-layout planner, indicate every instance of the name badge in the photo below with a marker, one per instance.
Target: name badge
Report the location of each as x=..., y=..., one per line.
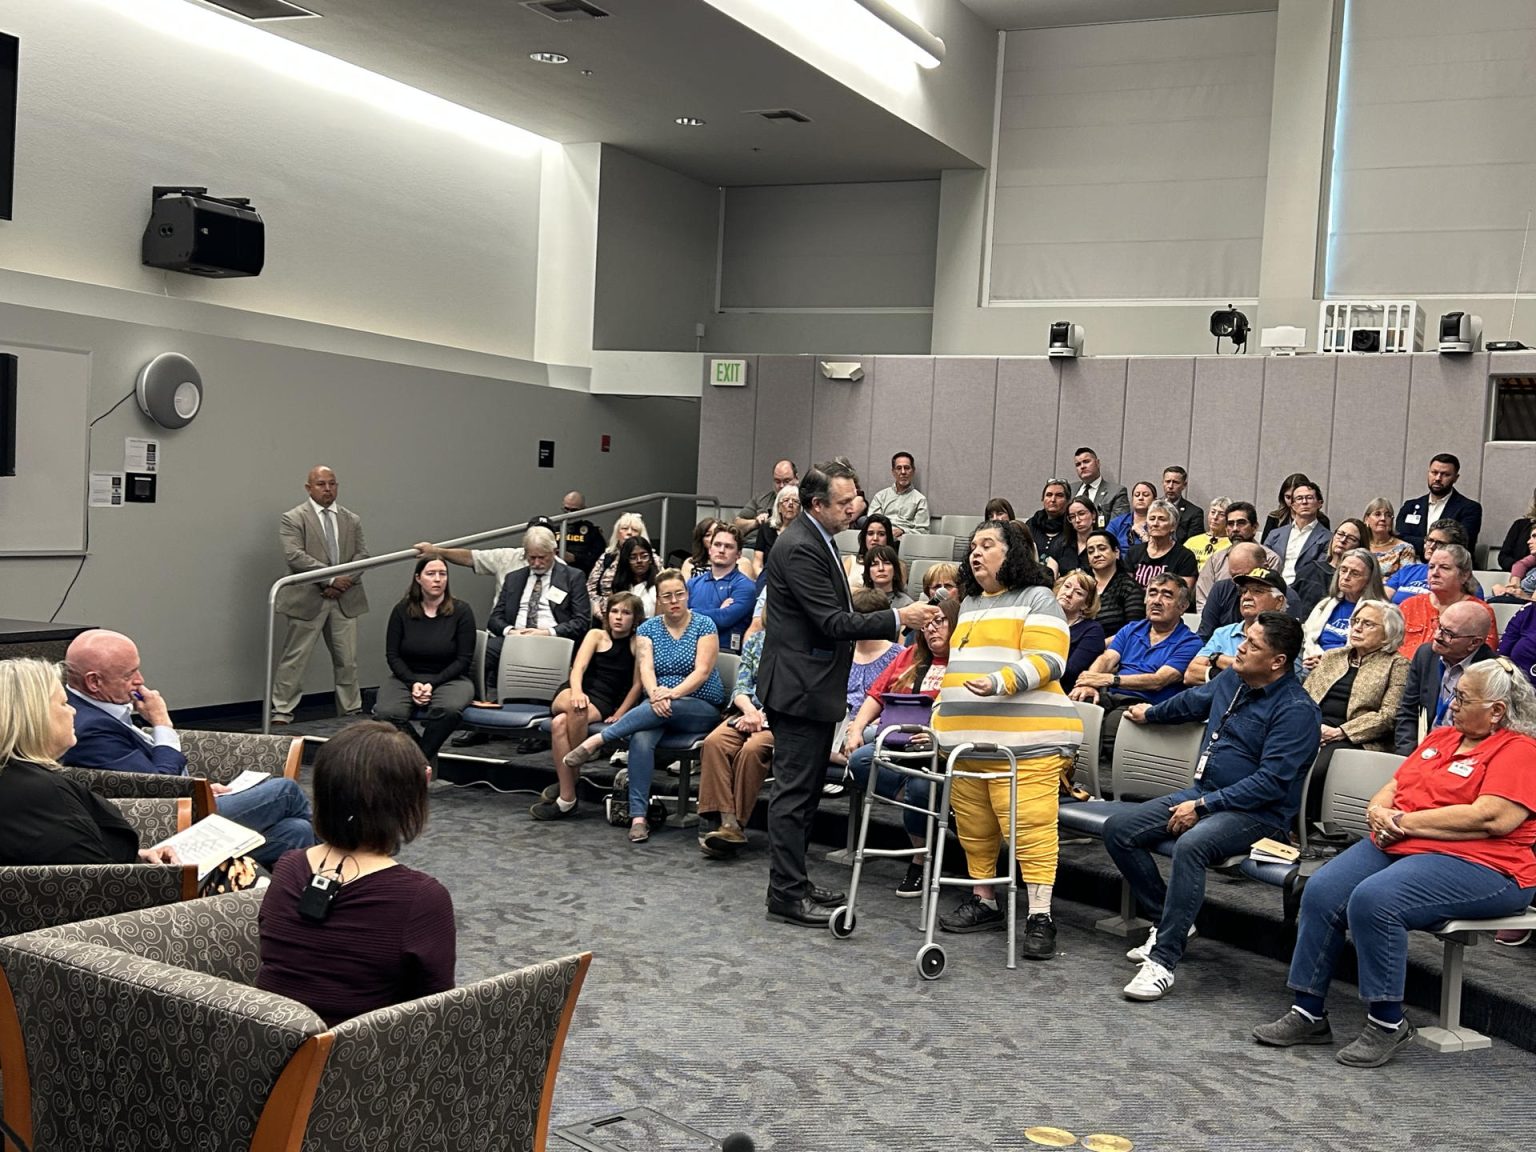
x=1413, y=518
x=1200, y=765
x=1461, y=767
x=555, y=595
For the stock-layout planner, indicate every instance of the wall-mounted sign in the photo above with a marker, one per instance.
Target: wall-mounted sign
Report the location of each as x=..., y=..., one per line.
x=728, y=373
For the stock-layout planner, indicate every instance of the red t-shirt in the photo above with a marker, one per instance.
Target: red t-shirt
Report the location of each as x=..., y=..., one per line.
x=929, y=687
x=1435, y=776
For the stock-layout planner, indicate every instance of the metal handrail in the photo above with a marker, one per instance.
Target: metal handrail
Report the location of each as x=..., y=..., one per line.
x=561, y=520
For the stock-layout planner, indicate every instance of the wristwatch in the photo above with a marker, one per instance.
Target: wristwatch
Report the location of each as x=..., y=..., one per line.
x=1115, y=683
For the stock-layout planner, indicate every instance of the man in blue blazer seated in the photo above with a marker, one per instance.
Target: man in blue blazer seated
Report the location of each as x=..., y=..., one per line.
x=1305, y=537
x=108, y=693
x=1441, y=502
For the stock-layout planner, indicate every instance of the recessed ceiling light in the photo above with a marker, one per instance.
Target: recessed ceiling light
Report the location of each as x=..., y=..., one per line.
x=689, y=122
x=549, y=58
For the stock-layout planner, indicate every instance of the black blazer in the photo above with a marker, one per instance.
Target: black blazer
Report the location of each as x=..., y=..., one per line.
x=808, y=647
x=1422, y=695
x=573, y=615
x=1191, y=520
x=1468, y=513
x=1516, y=546
x=47, y=818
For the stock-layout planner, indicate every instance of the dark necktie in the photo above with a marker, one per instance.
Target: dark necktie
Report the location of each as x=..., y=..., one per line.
x=531, y=620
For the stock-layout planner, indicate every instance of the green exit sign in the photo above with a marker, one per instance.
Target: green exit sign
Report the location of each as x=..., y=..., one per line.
x=728, y=373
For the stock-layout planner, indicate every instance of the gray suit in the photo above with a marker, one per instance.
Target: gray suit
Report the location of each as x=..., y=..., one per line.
x=311, y=615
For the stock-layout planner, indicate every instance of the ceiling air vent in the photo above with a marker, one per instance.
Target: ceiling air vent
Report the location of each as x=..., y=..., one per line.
x=781, y=115
x=265, y=9
x=565, y=11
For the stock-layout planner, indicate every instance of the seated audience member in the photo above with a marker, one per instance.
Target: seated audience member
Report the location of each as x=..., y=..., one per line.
x=1261, y=735
x=1304, y=536
x=915, y=670
x=1441, y=502
x=1130, y=528
x=758, y=512
x=600, y=579
x=1390, y=552
x=546, y=597
x=901, y=503
x=870, y=657
x=1145, y=660
x=45, y=817
x=1161, y=552
x=1221, y=606
x=638, y=570
x=1259, y=590
x=785, y=508
x=998, y=509
x=1516, y=546
x=1078, y=595
x=1436, y=668
x=604, y=684
x=698, y=549
x=676, y=651
x=1450, y=582
x=884, y=572
x=498, y=563
x=108, y=692
x=1204, y=545
x=1092, y=485
x=429, y=645
x=939, y=581
x=1413, y=579
x=1082, y=522
x=1519, y=642
x=721, y=591
x=1048, y=527
x=1356, y=578
x=1358, y=686
x=387, y=934
x=876, y=533
x=1188, y=517
x=1121, y=599
x=1281, y=516
x=1242, y=528
x=584, y=541
x=736, y=758
x=1521, y=587
x=1442, y=845
x=1315, y=572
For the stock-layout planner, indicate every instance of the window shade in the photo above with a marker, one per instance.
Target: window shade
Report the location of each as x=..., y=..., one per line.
x=1434, y=163
x=1131, y=160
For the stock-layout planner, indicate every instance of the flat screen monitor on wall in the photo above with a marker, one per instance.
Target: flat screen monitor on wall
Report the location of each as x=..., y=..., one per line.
x=8, y=57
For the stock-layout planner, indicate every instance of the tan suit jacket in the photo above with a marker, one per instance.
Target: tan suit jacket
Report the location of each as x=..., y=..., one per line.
x=1373, y=698
x=303, y=543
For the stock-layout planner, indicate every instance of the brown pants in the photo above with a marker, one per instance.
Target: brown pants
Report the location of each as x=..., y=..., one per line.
x=733, y=767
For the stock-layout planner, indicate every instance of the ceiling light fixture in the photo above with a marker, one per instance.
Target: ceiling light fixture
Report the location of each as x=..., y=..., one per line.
x=548, y=58
x=928, y=49
x=689, y=121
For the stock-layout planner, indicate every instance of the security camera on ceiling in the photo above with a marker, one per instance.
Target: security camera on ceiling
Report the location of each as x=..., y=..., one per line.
x=1066, y=339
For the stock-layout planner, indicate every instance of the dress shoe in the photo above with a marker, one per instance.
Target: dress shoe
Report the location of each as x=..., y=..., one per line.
x=469, y=739
x=802, y=912
x=827, y=896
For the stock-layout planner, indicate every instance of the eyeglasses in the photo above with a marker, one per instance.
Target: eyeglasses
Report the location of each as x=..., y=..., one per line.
x=1462, y=700
x=672, y=597
x=1444, y=633
x=1303, y=498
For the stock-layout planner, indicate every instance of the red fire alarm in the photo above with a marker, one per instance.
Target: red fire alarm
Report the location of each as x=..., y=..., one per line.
x=607, y=442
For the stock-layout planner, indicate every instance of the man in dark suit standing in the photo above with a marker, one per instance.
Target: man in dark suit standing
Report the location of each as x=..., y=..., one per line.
x=1191, y=516
x=1436, y=669
x=1442, y=502
x=546, y=598
x=803, y=677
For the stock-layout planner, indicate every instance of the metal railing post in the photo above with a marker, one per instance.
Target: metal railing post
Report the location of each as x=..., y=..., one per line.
x=661, y=543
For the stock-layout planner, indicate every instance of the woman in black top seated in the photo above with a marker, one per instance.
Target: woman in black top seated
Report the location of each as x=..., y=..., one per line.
x=1082, y=519
x=45, y=817
x=1121, y=599
x=429, y=645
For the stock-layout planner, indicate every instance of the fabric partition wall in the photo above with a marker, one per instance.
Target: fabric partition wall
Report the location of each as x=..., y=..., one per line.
x=1434, y=148
x=1131, y=160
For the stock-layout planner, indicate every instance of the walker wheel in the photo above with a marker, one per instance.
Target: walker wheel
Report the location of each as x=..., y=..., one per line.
x=930, y=961
x=842, y=922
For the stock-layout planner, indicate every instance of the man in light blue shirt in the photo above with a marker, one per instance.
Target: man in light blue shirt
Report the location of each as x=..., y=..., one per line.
x=1260, y=590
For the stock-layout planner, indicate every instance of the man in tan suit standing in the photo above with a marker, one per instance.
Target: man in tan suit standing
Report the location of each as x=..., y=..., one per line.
x=318, y=534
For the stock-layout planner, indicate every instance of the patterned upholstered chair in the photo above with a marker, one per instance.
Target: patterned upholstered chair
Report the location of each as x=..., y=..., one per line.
x=145, y=1031
x=47, y=895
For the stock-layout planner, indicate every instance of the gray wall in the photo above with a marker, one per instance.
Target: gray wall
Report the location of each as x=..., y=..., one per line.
x=419, y=453
x=1361, y=426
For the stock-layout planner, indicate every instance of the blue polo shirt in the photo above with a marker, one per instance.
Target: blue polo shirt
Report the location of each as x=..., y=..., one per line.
x=1138, y=657
x=1257, y=745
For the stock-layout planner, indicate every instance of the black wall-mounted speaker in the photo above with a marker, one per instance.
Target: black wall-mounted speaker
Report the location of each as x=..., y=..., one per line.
x=8, y=384
x=203, y=235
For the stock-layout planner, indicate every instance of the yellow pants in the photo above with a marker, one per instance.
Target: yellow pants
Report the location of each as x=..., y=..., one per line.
x=981, y=815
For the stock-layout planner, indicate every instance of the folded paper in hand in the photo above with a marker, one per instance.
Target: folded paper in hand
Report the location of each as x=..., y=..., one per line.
x=211, y=841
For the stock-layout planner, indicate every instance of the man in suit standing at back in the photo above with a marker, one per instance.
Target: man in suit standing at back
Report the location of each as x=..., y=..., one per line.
x=803, y=677
x=320, y=533
x=1442, y=502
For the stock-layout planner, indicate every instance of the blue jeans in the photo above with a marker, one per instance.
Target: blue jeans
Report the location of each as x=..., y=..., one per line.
x=276, y=808
x=1381, y=897
x=888, y=783
x=1129, y=837
x=644, y=730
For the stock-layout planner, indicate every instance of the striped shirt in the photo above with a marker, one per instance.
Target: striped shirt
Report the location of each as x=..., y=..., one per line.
x=1020, y=639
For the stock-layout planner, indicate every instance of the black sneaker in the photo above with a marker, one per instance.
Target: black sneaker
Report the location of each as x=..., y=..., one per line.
x=912, y=883
x=1039, y=937
x=971, y=915
x=550, y=810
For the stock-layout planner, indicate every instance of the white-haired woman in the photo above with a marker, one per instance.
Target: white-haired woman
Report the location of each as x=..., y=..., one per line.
x=1356, y=578
x=1390, y=552
x=786, y=506
x=1450, y=837
x=600, y=579
x=1161, y=551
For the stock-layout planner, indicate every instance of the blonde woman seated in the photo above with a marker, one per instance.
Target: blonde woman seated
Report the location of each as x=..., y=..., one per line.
x=940, y=581
x=600, y=580
x=1390, y=552
x=1206, y=544
x=1078, y=594
x=1450, y=582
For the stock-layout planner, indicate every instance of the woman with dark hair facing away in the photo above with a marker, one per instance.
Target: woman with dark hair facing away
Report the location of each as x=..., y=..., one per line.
x=378, y=933
x=884, y=572
x=1121, y=599
x=1130, y=528
x=1515, y=547
x=1003, y=687
x=877, y=531
x=429, y=645
x=604, y=684
x=998, y=509
x=637, y=572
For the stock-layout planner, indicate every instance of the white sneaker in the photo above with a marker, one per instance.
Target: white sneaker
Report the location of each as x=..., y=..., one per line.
x=1143, y=952
x=620, y=759
x=1151, y=982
